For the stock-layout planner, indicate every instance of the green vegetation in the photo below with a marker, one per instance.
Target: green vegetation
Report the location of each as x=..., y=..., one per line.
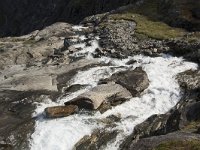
x=192, y=126
x=179, y=145
x=149, y=19
x=151, y=28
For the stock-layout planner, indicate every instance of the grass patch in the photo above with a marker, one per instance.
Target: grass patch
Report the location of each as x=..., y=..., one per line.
x=179, y=145
x=150, y=27
x=192, y=126
x=148, y=19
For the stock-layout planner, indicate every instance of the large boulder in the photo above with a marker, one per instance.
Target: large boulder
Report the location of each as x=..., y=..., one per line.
x=135, y=80
x=99, y=95
x=60, y=111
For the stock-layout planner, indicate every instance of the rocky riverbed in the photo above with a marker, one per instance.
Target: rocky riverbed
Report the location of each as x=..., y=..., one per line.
x=106, y=84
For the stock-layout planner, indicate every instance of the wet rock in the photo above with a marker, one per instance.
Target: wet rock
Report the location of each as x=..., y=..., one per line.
x=74, y=88
x=60, y=111
x=110, y=121
x=189, y=50
x=130, y=62
x=100, y=94
x=104, y=107
x=66, y=43
x=154, y=125
x=189, y=80
x=135, y=80
x=97, y=140
x=114, y=118
x=16, y=122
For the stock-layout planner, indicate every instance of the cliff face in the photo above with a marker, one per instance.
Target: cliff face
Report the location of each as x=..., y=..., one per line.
x=23, y=16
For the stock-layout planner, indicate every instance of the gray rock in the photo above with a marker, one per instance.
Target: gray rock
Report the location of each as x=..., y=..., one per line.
x=135, y=80
x=99, y=95
x=28, y=50
x=189, y=80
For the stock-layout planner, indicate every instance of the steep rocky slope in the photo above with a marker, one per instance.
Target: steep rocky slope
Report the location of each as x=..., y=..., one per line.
x=22, y=16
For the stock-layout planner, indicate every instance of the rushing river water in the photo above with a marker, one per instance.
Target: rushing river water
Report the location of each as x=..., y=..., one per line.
x=162, y=94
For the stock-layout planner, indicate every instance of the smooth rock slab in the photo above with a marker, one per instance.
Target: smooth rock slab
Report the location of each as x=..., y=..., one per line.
x=100, y=94
x=60, y=111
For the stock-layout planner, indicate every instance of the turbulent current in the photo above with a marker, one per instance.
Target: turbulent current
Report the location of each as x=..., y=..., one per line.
x=162, y=94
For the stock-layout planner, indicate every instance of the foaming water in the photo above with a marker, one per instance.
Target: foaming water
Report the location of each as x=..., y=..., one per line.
x=162, y=94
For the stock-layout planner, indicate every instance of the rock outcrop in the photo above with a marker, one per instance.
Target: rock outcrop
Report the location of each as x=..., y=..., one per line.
x=101, y=94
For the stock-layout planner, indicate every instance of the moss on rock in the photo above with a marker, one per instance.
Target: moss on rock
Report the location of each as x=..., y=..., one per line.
x=179, y=145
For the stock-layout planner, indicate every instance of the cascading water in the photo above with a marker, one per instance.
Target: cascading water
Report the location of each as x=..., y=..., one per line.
x=162, y=94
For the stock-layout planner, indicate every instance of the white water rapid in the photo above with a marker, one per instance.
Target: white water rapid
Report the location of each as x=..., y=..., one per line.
x=162, y=94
